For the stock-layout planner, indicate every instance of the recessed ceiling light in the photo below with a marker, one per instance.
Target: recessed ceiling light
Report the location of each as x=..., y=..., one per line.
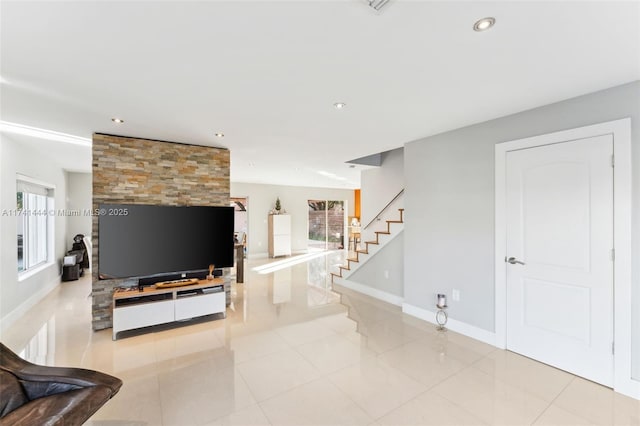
x=484, y=24
x=117, y=120
x=219, y=135
x=339, y=105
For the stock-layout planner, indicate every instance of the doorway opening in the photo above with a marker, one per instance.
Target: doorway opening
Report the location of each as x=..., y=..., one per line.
x=326, y=225
x=241, y=220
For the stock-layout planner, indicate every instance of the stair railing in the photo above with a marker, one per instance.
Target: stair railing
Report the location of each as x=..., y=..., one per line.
x=377, y=217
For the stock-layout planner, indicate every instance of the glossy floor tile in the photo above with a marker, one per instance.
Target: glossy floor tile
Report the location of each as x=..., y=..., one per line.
x=490, y=399
x=293, y=352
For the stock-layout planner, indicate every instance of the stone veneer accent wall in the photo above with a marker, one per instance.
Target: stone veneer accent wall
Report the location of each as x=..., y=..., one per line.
x=142, y=171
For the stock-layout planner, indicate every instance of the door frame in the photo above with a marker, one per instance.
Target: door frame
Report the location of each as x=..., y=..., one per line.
x=622, y=313
x=326, y=219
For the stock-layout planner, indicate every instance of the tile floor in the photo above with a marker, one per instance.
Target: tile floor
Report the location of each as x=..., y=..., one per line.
x=289, y=353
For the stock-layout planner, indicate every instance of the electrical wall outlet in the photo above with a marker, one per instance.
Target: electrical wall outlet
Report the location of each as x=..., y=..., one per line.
x=455, y=295
x=386, y=273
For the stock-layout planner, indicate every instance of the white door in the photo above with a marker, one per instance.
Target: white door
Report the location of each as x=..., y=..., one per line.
x=560, y=226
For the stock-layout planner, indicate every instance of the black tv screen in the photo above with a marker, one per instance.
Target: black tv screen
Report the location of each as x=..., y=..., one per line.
x=144, y=240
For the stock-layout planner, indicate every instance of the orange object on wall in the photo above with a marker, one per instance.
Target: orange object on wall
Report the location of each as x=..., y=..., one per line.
x=356, y=196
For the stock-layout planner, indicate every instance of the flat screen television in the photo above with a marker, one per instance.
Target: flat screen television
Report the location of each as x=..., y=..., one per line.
x=146, y=240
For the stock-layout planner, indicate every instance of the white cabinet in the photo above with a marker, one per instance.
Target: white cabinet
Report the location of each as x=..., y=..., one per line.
x=142, y=315
x=134, y=309
x=198, y=305
x=279, y=235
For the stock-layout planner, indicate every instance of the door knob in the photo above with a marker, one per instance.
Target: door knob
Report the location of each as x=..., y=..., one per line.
x=513, y=261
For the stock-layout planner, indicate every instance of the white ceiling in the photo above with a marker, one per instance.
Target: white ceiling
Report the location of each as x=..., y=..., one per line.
x=267, y=73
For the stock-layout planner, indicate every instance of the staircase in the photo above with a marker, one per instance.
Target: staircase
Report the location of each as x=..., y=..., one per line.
x=362, y=255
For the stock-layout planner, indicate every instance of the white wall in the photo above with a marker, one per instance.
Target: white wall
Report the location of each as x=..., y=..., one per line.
x=240, y=221
x=449, y=229
x=79, y=198
x=261, y=199
x=15, y=296
x=379, y=185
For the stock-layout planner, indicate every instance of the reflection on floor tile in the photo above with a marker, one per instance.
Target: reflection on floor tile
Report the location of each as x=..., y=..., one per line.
x=598, y=404
x=421, y=361
x=525, y=374
x=293, y=352
x=250, y=416
x=333, y=353
x=376, y=387
x=316, y=403
x=197, y=395
x=304, y=332
x=256, y=345
x=429, y=409
x=276, y=373
x=490, y=399
x=555, y=416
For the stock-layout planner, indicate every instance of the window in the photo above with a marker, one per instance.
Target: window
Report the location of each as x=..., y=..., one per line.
x=34, y=213
x=326, y=224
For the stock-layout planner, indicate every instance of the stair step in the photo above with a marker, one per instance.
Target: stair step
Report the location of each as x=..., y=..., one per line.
x=356, y=259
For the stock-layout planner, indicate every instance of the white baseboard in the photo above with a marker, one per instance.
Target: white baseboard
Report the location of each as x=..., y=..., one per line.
x=452, y=324
x=7, y=320
x=628, y=387
x=372, y=292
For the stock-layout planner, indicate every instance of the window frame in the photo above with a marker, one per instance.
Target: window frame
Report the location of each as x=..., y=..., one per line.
x=49, y=223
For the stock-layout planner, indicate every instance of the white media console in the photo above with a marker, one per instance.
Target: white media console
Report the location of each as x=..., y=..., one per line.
x=136, y=309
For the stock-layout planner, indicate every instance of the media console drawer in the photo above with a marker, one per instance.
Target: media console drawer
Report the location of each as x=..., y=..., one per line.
x=133, y=309
x=196, y=306
x=142, y=315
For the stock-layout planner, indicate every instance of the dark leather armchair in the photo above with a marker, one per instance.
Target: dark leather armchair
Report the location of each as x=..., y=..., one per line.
x=36, y=395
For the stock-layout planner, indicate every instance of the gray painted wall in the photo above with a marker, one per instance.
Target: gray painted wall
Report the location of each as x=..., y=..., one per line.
x=261, y=199
x=449, y=178
x=389, y=259
x=19, y=157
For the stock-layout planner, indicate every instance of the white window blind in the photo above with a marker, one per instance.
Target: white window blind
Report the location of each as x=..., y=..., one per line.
x=34, y=211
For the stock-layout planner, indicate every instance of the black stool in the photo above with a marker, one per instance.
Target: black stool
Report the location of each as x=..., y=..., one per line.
x=70, y=272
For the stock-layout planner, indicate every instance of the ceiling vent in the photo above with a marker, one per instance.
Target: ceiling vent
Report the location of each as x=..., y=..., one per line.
x=377, y=4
